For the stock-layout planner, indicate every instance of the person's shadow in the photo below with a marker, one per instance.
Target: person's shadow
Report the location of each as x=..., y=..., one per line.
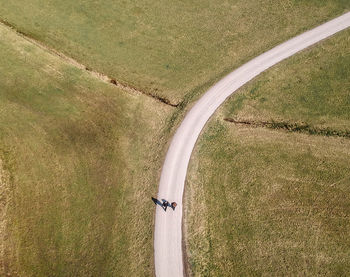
x=157, y=202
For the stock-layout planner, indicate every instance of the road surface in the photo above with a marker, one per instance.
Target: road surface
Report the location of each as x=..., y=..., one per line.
x=168, y=232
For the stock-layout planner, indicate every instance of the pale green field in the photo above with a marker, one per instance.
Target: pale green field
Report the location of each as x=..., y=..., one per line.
x=311, y=87
x=174, y=49
x=82, y=159
x=262, y=202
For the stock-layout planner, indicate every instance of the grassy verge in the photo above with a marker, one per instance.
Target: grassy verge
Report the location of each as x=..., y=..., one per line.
x=263, y=202
x=167, y=48
x=83, y=159
x=269, y=202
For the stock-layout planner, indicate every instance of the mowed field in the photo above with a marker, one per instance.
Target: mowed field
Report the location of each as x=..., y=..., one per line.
x=312, y=87
x=270, y=201
x=173, y=49
x=79, y=160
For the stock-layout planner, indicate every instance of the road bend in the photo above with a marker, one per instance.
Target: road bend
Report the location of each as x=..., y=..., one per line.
x=168, y=252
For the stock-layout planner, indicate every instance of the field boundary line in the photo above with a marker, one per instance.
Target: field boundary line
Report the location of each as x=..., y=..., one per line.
x=103, y=77
x=294, y=127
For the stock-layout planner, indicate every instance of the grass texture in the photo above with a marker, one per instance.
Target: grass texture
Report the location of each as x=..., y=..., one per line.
x=312, y=87
x=172, y=49
x=267, y=196
x=262, y=202
x=81, y=159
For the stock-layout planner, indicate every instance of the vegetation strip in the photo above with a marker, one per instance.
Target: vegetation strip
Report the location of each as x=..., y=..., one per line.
x=293, y=127
x=96, y=74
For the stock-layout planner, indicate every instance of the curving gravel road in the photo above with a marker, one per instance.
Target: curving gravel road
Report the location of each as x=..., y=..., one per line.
x=168, y=232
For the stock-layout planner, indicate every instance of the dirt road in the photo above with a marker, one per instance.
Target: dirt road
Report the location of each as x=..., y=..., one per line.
x=168, y=232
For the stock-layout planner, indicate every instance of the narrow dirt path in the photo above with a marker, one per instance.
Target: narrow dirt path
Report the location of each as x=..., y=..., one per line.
x=168, y=232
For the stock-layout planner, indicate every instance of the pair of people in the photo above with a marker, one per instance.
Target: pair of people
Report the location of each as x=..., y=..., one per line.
x=166, y=204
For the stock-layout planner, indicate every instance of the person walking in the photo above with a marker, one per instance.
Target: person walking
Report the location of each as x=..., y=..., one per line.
x=165, y=205
x=173, y=205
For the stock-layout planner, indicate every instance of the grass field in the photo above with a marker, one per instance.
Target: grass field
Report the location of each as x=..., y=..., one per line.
x=271, y=202
x=172, y=49
x=79, y=160
x=268, y=203
x=312, y=87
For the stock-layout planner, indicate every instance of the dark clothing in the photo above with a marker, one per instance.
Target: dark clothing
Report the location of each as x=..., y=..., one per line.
x=165, y=205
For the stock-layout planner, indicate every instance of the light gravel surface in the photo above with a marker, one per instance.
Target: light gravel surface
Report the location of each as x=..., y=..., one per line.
x=168, y=232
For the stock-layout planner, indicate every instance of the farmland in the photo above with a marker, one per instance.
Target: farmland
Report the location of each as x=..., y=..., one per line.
x=312, y=87
x=77, y=154
x=175, y=50
x=270, y=201
x=80, y=157
x=267, y=202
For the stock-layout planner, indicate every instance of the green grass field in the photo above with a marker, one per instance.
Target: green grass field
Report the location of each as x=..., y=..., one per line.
x=172, y=49
x=262, y=202
x=80, y=159
x=312, y=87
